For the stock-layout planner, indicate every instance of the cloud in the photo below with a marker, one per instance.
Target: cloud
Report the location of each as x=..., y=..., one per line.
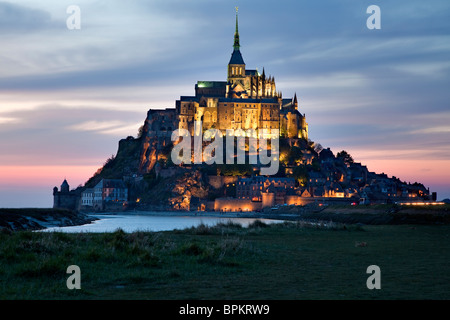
x=114, y=127
x=428, y=69
x=46, y=135
x=326, y=81
x=4, y=120
x=17, y=18
x=94, y=125
x=116, y=43
x=441, y=129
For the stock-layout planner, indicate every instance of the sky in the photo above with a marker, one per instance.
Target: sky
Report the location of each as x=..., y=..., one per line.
x=68, y=96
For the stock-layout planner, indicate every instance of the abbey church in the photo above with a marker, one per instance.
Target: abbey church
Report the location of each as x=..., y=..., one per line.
x=247, y=100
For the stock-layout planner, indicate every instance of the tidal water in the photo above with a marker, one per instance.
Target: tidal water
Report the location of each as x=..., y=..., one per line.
x=132, y=223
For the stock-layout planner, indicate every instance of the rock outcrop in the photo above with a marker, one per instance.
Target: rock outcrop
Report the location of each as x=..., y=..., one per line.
x=186, y=187
x=38, y=219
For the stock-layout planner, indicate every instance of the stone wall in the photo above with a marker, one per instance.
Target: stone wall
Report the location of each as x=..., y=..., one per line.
x=236, y=205
x=66, y=200
x=268, y=199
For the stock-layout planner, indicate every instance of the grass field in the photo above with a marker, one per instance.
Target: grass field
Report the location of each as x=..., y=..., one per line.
x=284, y=261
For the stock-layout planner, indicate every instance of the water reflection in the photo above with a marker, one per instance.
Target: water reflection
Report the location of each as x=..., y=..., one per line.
x=132, y=223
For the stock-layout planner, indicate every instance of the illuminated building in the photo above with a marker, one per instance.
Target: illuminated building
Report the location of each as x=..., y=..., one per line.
x=247, y=100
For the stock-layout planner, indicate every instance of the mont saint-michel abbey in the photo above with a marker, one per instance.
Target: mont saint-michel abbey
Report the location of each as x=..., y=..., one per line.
x=247, y=100
x=249, y=103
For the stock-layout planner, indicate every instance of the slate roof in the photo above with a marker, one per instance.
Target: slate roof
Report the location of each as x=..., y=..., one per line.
x=236, y=58
x=111, y=183
x=64, y=184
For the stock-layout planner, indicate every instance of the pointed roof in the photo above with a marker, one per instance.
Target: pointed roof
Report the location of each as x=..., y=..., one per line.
x=65, y=187
x=65, y=184
x=236, y=58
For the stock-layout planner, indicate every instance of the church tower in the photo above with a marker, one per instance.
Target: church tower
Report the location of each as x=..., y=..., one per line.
x=236, y=66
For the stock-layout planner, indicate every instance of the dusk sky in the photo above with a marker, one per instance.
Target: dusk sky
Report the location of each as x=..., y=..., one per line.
x=68, y=96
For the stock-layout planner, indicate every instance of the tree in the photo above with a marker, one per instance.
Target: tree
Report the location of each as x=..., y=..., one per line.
x=315, y=165
x=235, y=169
x=109, y=162
x=140, y=132
x=295, y=155
x=318, y=147
x=346, y=157
x=300, y=173
x=285, y=148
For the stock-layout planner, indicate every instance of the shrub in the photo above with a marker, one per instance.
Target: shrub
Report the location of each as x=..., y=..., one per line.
x=257, y=224
x=191, y=249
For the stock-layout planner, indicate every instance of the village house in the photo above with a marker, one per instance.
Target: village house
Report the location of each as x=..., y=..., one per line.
x=253, y=188
x=87, y=197
x=110, y=194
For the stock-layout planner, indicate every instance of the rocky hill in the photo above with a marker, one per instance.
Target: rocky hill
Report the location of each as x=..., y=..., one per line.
x=153, y=181
x=136, y=157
